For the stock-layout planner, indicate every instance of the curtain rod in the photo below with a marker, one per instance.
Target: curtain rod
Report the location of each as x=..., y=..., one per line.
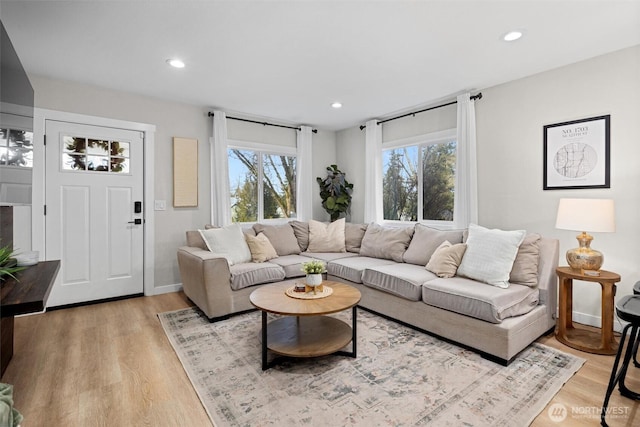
x=472, y=97
x=262, y=123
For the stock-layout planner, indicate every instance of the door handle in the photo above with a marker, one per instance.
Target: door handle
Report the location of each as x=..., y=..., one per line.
x=136, y=221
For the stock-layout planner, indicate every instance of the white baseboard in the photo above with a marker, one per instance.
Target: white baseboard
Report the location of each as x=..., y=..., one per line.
x=167, y=289
x=591, y=320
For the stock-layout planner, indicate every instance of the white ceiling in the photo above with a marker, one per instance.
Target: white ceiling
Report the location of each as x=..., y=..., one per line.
x=289, y=60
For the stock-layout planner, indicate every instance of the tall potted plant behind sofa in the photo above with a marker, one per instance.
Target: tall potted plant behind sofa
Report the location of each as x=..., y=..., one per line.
x=335, y=192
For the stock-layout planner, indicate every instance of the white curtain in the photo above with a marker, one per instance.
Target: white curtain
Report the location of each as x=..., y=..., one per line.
x=304, y=174
x=220, y=197
x=466, y=195
x=373, y=173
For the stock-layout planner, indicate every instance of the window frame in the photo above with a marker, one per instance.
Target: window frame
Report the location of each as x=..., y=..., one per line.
x=423, y=140
x=262, y=149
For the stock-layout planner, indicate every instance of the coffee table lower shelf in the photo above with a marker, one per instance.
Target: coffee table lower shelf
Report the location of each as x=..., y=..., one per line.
x=307, y=336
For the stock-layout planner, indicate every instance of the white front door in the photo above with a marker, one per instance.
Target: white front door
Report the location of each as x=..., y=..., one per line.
x=94, y=218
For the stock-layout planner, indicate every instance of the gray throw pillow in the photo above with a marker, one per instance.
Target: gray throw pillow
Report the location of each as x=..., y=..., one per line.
x=353, y=234
x=301, y=230
x=281, y=237
x=525, y=267
x=385, y=242
x=426, y=240
x=445, y=259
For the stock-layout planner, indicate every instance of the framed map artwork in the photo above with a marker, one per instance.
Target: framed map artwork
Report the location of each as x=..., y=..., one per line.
x=577, y=154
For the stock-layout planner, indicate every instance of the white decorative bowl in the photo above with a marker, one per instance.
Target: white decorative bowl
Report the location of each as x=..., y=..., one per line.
x=25, y=259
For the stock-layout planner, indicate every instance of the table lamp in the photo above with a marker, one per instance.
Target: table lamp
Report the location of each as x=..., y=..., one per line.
x=593, y=215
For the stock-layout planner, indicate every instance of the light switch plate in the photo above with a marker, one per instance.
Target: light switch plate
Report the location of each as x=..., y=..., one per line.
x=160, y=205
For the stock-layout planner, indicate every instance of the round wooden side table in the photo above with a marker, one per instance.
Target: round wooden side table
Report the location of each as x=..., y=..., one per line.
x=582, y=337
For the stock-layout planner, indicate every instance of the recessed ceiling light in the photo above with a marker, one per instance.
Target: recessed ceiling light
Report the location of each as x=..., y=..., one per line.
x=336, y=105
x=512, y=36
x=176, y=63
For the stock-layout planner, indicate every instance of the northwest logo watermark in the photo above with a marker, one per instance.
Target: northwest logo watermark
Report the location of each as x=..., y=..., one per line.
x=559, y=412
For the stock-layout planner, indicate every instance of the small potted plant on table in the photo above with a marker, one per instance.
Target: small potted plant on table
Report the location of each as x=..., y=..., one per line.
x=314, y=270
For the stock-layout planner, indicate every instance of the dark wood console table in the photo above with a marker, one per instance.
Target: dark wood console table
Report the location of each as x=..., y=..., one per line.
x=28, y=294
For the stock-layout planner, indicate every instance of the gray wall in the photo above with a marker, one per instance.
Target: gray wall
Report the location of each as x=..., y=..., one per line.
x=510, y=118
x=173, y=119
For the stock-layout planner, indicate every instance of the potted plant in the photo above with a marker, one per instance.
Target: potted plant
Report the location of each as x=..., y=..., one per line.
x=314, y=270
x=8, y=264
x=335, y=192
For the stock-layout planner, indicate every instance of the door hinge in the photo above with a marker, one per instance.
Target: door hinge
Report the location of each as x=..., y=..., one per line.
x=45, y=140
x=45, y=210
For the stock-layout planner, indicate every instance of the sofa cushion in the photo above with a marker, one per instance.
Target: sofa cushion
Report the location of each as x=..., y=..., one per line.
x=490, y=255
x=425, y=241
x=479, y=300
x=353, y=234
x=328, y=256
x=251, y=273
x=351, y=268
x=228, y=242
x=281, y=237
x=260, y=247
x=195, y=240
x=525, y=266
x=404, y=280
x=291, y=264
x=325, y=237
x=301, y=231
x=445, y=260
x=385, y=242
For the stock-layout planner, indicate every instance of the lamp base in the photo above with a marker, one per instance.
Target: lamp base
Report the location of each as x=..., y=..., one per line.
x=585, y=258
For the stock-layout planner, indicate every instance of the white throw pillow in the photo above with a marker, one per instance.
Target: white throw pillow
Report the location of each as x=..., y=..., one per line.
x=326, y=237
x=228, y=242
x=490, y=255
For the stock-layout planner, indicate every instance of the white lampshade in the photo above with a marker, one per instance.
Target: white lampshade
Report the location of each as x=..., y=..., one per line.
x=591, y=215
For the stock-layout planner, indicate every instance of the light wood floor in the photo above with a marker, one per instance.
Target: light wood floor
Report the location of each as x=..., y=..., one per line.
x=111, y=365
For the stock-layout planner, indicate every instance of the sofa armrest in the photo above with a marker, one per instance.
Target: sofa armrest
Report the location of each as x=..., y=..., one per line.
x=206, y=279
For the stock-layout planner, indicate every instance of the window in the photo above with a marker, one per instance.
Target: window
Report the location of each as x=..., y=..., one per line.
x=419, y=181
x=16, y=148
x=87, y=154
x=262, y=185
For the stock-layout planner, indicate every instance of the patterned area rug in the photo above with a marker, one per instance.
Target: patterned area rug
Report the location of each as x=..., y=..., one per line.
x=401, y=377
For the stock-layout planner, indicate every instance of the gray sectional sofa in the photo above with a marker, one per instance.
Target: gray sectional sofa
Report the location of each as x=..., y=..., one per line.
x=387, y=265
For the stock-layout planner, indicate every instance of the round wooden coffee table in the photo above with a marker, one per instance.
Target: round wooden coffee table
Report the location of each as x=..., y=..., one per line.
x=305, y=330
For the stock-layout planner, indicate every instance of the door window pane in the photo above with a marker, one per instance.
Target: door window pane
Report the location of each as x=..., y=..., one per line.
x=74, y=162
x=98, y=163
x=96, y=155
x=74, y=144
x=95, y=146
x=119, y=149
